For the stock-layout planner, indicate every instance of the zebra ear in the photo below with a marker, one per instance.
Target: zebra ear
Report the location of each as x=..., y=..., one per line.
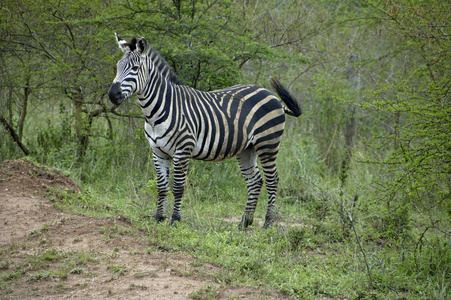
x=142, y=46
x=122, y=44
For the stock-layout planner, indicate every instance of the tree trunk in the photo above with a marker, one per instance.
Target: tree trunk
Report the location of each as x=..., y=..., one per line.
x=23, y=113
x=82, y=125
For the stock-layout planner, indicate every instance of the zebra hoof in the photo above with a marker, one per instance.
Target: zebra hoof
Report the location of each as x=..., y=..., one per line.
x=268, y=222
x=160, y=218
x=246, y=220
x=174, y=220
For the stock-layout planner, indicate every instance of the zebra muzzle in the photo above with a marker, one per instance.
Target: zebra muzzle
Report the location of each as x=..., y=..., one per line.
x=115, y=93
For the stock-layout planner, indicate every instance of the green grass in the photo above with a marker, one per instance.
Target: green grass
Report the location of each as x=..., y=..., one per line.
x=46, y=265
x=331, y=241
x=312, y=254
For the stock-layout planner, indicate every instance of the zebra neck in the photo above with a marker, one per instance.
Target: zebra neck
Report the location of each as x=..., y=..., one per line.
x=155, y=98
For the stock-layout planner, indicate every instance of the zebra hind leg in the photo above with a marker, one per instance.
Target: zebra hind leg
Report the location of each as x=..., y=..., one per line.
x=249, y=168
x=271, y=181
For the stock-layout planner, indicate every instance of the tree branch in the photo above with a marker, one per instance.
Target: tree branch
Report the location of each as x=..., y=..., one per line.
x=14, y=135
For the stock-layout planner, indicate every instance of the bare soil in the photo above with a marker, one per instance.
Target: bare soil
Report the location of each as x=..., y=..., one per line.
x=49, y=254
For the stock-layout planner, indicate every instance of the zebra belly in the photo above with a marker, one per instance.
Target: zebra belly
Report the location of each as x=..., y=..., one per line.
x=221, y=144
x=216, y=154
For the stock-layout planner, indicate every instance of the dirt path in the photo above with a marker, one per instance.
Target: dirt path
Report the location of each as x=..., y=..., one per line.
x=48, y=254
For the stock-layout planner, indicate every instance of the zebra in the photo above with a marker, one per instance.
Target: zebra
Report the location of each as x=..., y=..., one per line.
x=182, y=123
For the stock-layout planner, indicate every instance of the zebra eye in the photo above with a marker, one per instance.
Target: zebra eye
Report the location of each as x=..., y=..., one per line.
x=134, y=68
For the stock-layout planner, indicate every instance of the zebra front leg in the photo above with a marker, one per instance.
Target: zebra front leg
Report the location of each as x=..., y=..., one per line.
x=180, y=169
x=249, y=169
x=162, y=167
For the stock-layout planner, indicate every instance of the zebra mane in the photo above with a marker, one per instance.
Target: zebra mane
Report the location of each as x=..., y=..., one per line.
x=162, y=65
x=132, y=44
x=159, y=62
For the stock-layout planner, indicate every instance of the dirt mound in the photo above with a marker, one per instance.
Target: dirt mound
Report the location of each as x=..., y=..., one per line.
x=23, y=207
x=27, y=177
x=49, y=254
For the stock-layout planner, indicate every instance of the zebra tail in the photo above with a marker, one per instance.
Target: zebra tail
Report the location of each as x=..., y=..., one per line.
x=294, y=108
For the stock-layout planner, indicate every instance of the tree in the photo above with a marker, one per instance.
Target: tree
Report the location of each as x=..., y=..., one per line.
x=419, y=98
x=21, y=77
x=59, y=48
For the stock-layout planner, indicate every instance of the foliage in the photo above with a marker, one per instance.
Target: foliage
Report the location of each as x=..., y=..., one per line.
x=55, y=51
x=418, y=98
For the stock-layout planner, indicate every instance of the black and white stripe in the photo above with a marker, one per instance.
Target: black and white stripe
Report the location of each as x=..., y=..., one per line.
x=244, y=121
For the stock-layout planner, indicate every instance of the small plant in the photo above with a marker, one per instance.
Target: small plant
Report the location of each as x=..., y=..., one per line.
x=50, y=255
x=77, y=271
x=41, y=276
x=5, y=265
x=295, y=237
x=196, y=263
x=209, y=292
x=13, y=275
x=121, y=270
x=83, y=258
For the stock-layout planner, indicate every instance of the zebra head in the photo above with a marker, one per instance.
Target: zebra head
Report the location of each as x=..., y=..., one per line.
x=130, y=76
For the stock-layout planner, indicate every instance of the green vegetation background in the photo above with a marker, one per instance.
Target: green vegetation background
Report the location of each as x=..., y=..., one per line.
x=364, y=197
